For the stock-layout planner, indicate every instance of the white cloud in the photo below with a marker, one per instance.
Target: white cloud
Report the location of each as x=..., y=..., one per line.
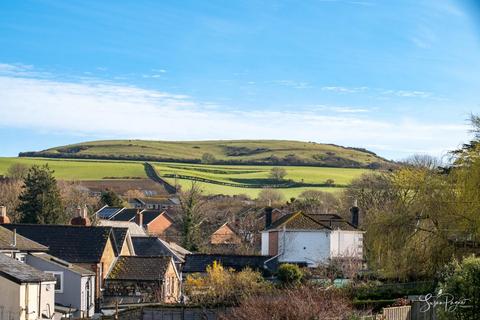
x=109, y=110
x=293, y=84
x=344, y=89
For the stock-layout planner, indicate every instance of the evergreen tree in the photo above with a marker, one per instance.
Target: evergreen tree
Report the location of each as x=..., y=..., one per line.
x=111, y=199
x=40, y=200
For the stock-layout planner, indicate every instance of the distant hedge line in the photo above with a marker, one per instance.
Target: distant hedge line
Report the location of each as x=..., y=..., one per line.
x=345, y=163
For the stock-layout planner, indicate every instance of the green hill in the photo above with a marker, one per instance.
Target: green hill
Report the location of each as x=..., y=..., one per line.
x=234, y=152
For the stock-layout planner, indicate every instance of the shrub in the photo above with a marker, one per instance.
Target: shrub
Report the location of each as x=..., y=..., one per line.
x=462, y=282
x=222, y=286
x=305, y=302
x=290, y=274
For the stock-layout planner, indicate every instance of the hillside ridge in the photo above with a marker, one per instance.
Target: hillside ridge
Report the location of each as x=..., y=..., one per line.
x=232, y=152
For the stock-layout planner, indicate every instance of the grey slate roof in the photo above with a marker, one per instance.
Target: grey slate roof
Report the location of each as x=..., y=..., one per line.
x=20, y=272
x=153, y=247
x=67, y=265
x=150, y=215
x=23, y=244
x=125, y=215
x=76, y=244
x=139, y=268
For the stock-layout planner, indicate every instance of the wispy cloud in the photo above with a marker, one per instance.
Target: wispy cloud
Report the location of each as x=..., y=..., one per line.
x=293, y=84
x=378, y=91
x=109, y=110
x=408, y=93
x=344, y=89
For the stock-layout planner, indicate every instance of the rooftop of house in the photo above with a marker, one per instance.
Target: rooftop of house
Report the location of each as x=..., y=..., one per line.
x=154, y=247
x=136, y=268
x=107, y=212
x=199, y=262
x=125, y=214
x=64, y=264
x=128, y=214
x=303, y=221
x=134, y=229
x=179, y=250
x=76, y=244
x=150, y=215
x=156, y=201
x=22, y=243
x=20, y=272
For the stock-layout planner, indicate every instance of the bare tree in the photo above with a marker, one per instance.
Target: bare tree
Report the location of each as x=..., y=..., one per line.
x=423, y=161
x=17, y=171
x=133, y=193
x=277, y=173
x=74, y=195
x=270, y=196
x=10, y=190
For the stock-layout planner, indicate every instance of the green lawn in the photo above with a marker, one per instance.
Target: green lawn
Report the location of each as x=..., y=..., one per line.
x=81, y=169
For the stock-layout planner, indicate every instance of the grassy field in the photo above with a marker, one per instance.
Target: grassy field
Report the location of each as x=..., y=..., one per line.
x=312, y=178
x=223, y=151
x=81, y=169
x=255, y=176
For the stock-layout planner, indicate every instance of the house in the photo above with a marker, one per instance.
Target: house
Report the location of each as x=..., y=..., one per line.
x=198, y=263
x=17, y=246
x=312, y=239
x=27, y=293
x=154, y=204
x=154, y=222
x=143, y=280
x=74, y=288
x=93, y=248
x=225, y=234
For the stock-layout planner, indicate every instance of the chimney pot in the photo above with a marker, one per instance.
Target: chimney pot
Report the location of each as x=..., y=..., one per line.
x=82, y=217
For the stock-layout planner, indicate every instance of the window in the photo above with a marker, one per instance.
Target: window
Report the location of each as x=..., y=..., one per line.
x=59, y=280
x=22, y=257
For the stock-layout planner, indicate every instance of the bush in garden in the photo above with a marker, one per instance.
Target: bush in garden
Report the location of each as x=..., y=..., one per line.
x=290, y=274
x=302, y=302
x=462, y=281
x=222, y=286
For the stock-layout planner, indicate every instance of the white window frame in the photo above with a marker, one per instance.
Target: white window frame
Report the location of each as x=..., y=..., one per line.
x=60, y=273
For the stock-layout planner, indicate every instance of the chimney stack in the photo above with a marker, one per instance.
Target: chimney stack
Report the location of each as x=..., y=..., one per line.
x=139, y=218
x=3, y=215
x=82, y=217
x=268, y=217
x=355, y=212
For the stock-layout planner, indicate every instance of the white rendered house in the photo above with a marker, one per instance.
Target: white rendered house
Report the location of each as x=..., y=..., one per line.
x=312, y=239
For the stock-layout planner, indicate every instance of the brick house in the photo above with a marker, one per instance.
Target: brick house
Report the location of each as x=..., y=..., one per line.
x=154, y=222
x=225, y=234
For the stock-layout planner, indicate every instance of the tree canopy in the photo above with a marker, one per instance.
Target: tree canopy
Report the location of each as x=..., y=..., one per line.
x=40, y=200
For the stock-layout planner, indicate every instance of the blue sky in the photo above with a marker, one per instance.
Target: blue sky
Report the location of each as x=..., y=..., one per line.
x=396, y=77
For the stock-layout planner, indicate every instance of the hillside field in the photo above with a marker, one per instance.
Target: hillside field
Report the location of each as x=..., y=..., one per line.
x=312, y=178
x=231, y=152
x=236, y=176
